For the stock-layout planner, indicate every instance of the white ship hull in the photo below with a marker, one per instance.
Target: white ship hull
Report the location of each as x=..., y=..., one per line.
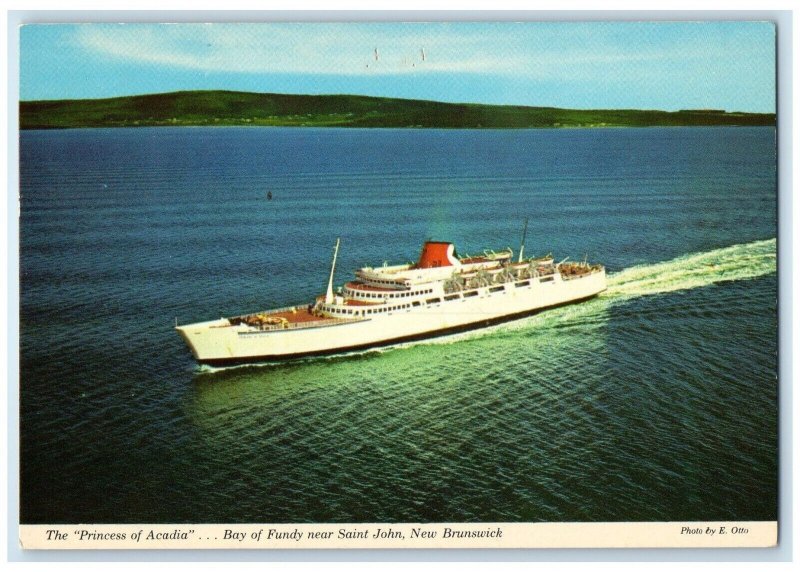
x=220, y=343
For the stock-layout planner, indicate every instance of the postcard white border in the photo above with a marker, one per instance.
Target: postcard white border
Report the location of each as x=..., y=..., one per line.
x=785, y=531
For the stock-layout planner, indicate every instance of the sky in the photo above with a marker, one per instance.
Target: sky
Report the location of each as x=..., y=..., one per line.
x=584, y=65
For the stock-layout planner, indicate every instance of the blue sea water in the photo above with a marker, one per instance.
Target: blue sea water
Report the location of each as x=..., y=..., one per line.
x=656, y=401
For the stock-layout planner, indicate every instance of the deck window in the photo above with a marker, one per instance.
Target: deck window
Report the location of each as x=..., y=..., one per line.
x=470, y=294
x=433, y=300
x=546, y=279
x=523, y=283
x=452, y=297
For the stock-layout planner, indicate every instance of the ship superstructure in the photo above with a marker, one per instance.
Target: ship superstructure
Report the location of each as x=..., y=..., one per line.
x=439, y=294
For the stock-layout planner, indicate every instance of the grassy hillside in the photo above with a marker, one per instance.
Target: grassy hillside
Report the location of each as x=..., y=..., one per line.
x=241, y=108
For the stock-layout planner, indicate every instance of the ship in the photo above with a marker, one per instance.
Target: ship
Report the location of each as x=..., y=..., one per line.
x=440, y=294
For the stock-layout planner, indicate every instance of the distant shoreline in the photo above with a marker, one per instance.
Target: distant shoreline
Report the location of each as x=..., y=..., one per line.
x=332, y=127
x=239, y=109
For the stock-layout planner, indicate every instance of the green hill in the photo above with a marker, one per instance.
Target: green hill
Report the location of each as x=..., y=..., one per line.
x=242, y=108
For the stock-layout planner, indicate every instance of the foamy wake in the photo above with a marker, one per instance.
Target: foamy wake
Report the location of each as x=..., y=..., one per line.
x=738, y=262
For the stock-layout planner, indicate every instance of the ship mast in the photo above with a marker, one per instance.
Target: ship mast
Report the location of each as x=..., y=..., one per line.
x=522, y=245
x=329, y=292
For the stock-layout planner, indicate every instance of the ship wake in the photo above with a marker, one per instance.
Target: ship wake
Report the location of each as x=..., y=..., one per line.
x=738, y=262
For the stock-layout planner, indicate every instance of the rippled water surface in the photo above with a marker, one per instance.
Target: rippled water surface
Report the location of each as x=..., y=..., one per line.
x=656, y=401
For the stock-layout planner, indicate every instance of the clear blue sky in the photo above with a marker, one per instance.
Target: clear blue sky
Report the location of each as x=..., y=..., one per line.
x=641, y=65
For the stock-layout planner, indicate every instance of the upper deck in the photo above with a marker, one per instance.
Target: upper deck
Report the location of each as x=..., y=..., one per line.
x=367, y=287
x=437, y=262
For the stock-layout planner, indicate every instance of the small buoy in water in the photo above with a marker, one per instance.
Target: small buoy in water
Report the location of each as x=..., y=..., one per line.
x=269, y=196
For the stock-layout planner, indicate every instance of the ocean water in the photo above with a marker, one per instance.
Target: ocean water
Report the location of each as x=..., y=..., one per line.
x=656, y=401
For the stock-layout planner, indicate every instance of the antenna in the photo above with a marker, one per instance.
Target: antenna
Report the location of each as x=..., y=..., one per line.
x=522, y=246
x=329, y=292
